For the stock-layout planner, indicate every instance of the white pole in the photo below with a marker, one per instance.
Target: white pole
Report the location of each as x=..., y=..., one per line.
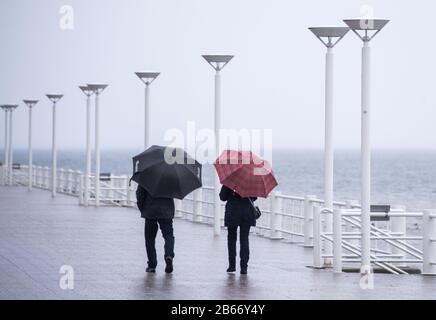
x=308, y=220
x=30, y=151
x=217, y=207
x=317, y=250
x=276, y=215
x=97, y=152
x=6, y=164
x=198, y=204
x=54, y=155
x=399, y=225
x=328, y=148
x=429, y=242
x=147, y=118
x=11, y=150
x=366, y=158
x=337, y=241
x=88, y=149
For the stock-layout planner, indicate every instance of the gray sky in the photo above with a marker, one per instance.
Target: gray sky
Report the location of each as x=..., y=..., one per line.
x=276, y=80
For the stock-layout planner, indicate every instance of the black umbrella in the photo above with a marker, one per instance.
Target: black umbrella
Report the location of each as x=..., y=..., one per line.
x=166, y=172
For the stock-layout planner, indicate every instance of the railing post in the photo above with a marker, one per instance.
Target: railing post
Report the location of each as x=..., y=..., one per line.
x=87, y=188
x=198, y=205
x=399, y=225
x=35, y=176
x=126, y=185
x=61, y=180
x=38, y=176
x=308, y=220
x=178, y=207
x=97, y=184
x=110, y=185
x=70, y=176
x=81, y=189
x=276, y=217
x=2, y=174
x=317, y=250
x=75, y=183
x=77, y=180
x=337, y=240
x=121, y=188
x=429, y=242
x=46, y=178
x=351, y=204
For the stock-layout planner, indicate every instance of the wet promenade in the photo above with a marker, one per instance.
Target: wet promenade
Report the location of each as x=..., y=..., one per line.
x=105, y=247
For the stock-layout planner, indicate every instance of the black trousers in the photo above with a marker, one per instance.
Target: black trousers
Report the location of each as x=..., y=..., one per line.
x=232, y=237
x=150, y=232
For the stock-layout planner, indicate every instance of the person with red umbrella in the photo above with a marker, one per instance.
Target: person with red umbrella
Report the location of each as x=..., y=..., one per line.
x=245, y=177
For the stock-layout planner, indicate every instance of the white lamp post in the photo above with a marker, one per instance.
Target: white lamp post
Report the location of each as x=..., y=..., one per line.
x=30, y=104
x=362, y=28
x=147, y=78
x=88, y=92
x=11, y=108
x=54, y=98
x=6, y=158
x=329, y=36
x=218, y=62
x=97, y=89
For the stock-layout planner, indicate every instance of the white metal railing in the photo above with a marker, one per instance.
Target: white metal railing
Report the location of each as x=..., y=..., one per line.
x=293, y=218
x=392, y=248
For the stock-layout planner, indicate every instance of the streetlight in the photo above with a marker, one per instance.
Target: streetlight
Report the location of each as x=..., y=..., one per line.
x=362, y=27
x=6, y=162
x=54, y=98
x=329, y=36
x=147, y=78
x=218, y=62
x=11, y=108
x=88, y=92
x=97, y=89
x=30, y=104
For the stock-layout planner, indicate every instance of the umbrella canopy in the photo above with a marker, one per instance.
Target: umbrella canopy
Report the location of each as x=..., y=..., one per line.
x=166, y=172
x=246, y=173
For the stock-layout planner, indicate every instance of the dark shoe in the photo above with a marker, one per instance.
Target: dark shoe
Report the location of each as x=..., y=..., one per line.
x=150, y=270
x=231, y=269
x=169, y=268
x=244, y=271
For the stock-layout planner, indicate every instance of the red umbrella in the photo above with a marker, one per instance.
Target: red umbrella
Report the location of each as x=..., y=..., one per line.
x=246, y=173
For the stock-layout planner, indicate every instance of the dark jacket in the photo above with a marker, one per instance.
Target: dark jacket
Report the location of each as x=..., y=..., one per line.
x=239, y=211
x=154, y=208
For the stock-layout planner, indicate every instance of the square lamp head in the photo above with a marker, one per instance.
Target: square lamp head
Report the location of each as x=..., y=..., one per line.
x=30, y=103
x=329, y=36
x=218, y=61
x=9, y=107
x=147, y=77
x=86, y=90
x=55, y=97
x=366, y=29
x=97, y=88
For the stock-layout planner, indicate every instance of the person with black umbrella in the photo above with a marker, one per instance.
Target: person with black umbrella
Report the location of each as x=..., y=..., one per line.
x=157, y=212
x=162, y=174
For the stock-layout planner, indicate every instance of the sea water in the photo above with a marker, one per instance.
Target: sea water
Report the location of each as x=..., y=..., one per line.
x=406, y=177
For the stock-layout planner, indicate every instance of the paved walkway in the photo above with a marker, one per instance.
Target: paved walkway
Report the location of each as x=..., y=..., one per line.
x=105, y=247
